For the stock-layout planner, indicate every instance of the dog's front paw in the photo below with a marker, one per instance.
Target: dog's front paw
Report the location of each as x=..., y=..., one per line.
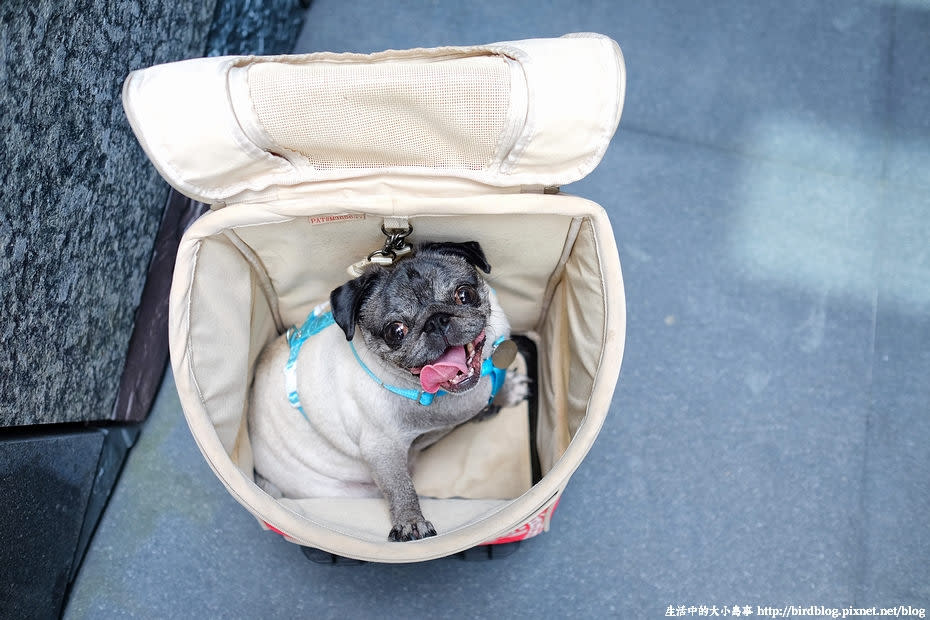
x=515, y=390
x=414, y=530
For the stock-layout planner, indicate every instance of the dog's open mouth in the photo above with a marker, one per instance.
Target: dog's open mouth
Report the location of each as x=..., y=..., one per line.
x=456, y=370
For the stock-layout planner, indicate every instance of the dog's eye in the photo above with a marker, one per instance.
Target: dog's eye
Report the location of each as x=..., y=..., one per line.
x=393, y=333
x=466, y=296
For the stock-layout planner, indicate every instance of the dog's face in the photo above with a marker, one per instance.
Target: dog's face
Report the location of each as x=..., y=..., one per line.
x=426, y=314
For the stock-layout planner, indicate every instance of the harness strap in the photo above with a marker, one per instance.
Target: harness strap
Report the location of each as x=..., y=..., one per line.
x=424, y=398
x=296, y=336
x=319, y=320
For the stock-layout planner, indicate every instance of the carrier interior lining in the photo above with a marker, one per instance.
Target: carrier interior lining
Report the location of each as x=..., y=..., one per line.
x=532, y=258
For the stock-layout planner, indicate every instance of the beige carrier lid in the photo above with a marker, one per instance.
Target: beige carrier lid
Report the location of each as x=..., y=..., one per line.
x=537, y=112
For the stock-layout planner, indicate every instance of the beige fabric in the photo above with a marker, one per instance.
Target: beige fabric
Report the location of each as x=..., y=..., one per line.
x=181, y=115
x=371, y=520
x=489, y=459
x=218, y=326
x=305, y=199
x=224, y=340
x=339, y=115
x=572, y=338
x=306, y=260
x=231, y=135
x=577, y=86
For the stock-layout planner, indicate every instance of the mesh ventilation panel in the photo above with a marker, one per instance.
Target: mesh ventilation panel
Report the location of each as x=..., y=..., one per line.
x=444, y=114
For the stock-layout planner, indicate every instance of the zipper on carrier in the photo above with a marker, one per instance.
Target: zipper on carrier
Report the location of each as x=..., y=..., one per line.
x=539, y=189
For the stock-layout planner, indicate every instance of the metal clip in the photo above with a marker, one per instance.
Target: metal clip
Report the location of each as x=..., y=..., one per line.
x=395, y=248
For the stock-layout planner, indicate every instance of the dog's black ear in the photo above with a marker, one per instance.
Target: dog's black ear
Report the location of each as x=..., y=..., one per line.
x=347, y=299
x=469, y=250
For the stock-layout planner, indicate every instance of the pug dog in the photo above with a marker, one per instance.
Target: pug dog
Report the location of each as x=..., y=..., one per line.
x=423, y=326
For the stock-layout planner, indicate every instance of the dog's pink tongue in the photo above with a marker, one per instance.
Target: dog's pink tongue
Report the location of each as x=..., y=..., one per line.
x=444, y=369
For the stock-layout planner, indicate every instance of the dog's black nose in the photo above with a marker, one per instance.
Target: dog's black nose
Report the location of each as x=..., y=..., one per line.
x=439, y=322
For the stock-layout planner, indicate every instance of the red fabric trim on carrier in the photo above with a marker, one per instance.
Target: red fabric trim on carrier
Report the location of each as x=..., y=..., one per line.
x=273, y=528
x=533, y=527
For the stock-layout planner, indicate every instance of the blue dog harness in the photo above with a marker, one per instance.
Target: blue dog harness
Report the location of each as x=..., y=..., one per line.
x=319, y=320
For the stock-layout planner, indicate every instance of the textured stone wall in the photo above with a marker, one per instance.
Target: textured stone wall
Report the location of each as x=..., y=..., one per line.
x=79, y=202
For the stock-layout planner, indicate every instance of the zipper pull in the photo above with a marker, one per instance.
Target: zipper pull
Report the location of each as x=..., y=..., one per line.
x=539, y=189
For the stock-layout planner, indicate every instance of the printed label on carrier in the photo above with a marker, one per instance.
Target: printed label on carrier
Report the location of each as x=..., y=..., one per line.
x=316, y=220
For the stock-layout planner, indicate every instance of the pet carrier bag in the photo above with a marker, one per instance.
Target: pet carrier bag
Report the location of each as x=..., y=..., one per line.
x=307, y=161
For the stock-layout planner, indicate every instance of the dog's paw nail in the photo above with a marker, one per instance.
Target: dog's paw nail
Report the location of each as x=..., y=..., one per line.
x=411, y=531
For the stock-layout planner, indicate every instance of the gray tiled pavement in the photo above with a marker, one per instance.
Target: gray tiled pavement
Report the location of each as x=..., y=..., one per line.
x=769, y=441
